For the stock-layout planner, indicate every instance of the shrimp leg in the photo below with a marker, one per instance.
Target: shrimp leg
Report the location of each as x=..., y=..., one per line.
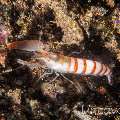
x=44, y=74
x=76, y=86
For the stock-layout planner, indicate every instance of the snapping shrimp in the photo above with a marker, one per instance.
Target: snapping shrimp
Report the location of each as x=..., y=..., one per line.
x=61, y=63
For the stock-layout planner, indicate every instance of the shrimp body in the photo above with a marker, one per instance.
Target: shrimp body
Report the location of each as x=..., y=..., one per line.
x=61, y=63
x=65, y=64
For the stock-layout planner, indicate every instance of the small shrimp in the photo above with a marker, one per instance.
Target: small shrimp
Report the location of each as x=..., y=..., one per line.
x=61, y=63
